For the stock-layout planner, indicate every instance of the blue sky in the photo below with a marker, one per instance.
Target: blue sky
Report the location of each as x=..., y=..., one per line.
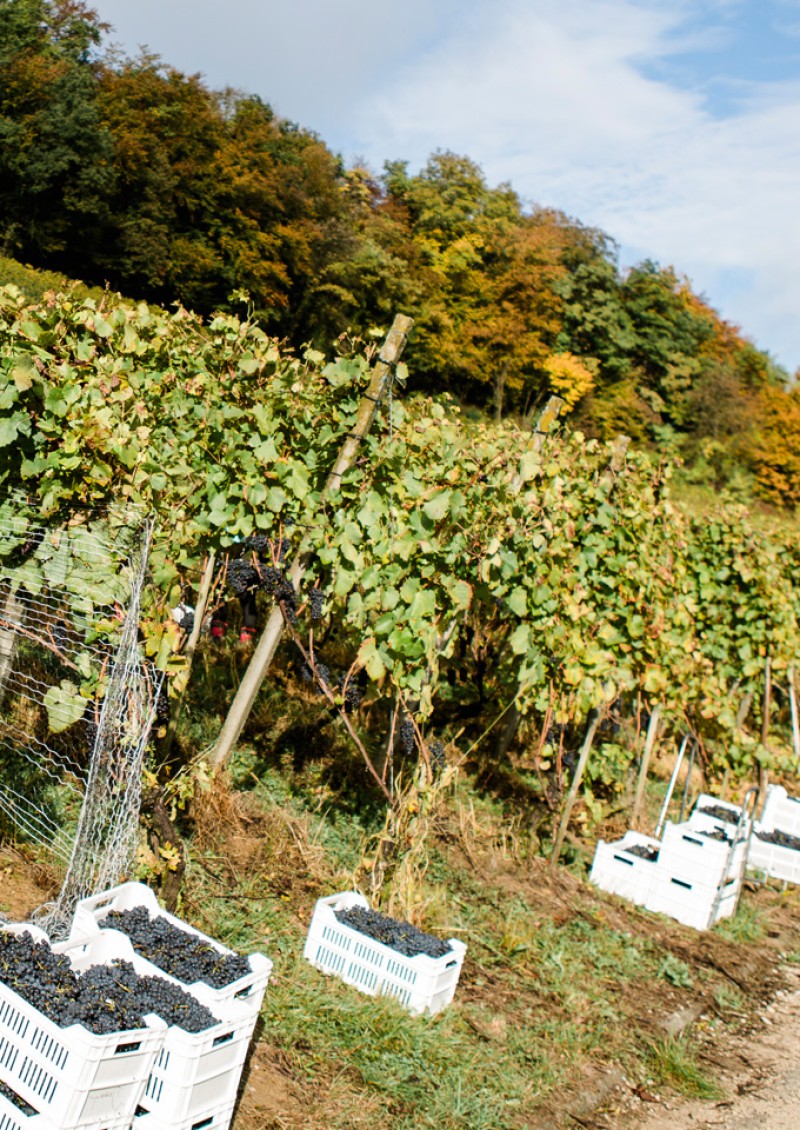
x=674, y=125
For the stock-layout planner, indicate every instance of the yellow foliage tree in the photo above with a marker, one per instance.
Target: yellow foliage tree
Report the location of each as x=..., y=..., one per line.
x=569, y=377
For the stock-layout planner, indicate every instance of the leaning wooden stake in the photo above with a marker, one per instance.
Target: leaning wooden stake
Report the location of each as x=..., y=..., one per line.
x=763, y=775
x=591, y=730
x=382, y=376
x=795, y=723
x=649, y=743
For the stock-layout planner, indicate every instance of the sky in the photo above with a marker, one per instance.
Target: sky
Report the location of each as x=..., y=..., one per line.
x=673, y=125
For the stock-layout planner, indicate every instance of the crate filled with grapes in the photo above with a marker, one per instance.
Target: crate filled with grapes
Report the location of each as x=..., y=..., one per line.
x=627, y=867
x=72, y=1054
x=781, y=812
x=775, y=853
x=712, y=814
x=382, y=956
x=199, y=1064
x=215, y=975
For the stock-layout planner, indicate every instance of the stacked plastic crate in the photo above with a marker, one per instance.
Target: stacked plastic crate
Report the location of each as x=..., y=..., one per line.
x=692, y=874
x=68, y=1078
x=775, y=845
x=194, y=1078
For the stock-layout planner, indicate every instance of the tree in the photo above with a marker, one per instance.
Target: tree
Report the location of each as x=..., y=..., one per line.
x=489, y=311
x=55, y=172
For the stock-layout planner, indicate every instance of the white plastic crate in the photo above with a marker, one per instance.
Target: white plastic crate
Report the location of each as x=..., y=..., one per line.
x=420, y=983
x=620, y=872
x=217, y=1117
x=246, y=991
x=693, y=904
x=12, y=1117
x=773, y=860
x=781, y=812
x=704, y=821
x=72, y=1077
x=194, y=1073
x=688, y=853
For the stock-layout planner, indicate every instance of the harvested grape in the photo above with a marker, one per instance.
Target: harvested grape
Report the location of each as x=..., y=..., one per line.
x=180, y=954
x=401, y=936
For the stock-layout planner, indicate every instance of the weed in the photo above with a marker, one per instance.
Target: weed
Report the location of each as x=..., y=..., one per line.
x=672, y=1063
x=675, y=971
x=746, y=925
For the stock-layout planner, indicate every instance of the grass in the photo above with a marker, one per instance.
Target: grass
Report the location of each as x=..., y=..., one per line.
x=673, y=1063
x=557, y=977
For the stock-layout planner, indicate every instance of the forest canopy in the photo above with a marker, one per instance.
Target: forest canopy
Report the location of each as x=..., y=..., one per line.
x=124, y=172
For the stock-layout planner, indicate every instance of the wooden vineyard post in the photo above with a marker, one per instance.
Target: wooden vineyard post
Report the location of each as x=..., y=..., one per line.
x=795, y=723
x=569, y=804
x=203, y=594
x=382, y=376
x=763, y=775
x=649, y=743
x=10, y=619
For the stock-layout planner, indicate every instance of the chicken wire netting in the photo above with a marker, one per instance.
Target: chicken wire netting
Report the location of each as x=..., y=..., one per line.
x=77, y=697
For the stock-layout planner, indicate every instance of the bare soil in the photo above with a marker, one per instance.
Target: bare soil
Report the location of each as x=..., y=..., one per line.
x=759, y=1071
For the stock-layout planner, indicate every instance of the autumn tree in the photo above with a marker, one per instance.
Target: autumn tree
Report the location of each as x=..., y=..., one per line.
x=55, y=153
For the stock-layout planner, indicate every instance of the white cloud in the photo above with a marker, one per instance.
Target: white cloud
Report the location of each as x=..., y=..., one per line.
x=552, y=97
x=561, y=97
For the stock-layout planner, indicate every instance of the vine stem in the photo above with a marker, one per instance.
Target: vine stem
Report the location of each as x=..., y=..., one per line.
x=308, y=656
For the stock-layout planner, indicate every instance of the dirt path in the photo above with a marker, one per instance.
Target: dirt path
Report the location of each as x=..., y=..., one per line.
x=760, y=1077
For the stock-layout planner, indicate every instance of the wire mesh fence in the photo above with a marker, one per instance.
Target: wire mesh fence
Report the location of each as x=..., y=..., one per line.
x=76, y=695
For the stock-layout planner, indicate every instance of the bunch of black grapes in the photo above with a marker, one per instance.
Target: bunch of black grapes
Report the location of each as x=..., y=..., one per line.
x=174, y=1005
x=242, y=576
x=782, y=839
x=104, y=998
x=16, y=1100
x=401, y=936
x=182, y=955
x=643, y=851
x=720, y=813
x=316, y=602
x=438, y=758
x=405, y=734
x=716, y=834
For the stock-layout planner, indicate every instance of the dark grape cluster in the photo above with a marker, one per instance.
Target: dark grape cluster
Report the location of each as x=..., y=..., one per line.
x=406, y=734
x=120, y=981
x=720, y=813
x=401, y=936
x=16, y=1100
x=782, y=839
x=351, y=694
x=182, y=955
x=285, y=595
x=48, y=982
x=436, y=750
x=242, y=576
x=187, y=623
x=718, y=834
x=258, y=543
x=162, y=705
x=643, y=851
x=266, y=548
x=316, y=602
x=271, y=578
